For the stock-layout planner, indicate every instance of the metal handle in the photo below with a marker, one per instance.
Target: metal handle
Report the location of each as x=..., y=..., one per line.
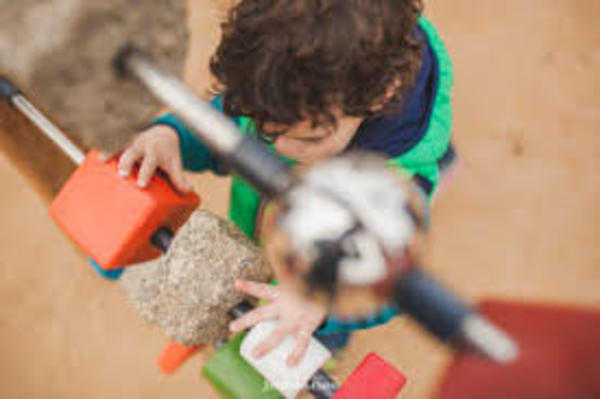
x=250, y=158
x=8, y=90
x=14, y=97
x=448, y=318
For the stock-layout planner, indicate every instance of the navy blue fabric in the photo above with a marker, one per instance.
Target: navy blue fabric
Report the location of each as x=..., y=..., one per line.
x=394, y=135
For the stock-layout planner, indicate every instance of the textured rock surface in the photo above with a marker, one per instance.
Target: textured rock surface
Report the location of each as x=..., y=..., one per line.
x=188, y=292
x=60, y=53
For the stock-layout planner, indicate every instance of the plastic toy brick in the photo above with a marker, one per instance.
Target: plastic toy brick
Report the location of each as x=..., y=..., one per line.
x=374, y=378
x=233, y=377
x=113, y=274
x=111, y=219
x=174, y=356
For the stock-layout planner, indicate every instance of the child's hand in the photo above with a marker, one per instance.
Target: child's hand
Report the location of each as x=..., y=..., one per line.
x=157, y=147
x=296, y=315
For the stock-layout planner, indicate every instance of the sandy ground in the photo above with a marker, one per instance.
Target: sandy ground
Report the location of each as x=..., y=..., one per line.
x=521, y=220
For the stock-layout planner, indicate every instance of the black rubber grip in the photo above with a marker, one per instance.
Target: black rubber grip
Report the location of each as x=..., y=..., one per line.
x=240, y=309
x=8, y=90
x=162, y=239
x=322, y=386
x=119, y=61
x=264, y=170
x=426, y=300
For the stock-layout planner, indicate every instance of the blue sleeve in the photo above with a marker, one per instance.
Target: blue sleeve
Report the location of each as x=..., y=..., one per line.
x=335, y=325
x=195, y=155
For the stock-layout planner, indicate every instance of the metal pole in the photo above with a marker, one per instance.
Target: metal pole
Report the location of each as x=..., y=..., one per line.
x=248, y=157
x=58, y=137
x=219, y=133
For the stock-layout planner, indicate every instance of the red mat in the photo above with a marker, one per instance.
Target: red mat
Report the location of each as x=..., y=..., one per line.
x=559, y=359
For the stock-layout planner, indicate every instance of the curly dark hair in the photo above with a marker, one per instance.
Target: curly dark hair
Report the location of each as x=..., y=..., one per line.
x=283, y=61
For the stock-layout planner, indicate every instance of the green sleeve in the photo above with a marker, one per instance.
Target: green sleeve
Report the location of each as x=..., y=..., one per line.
x=195, y=155
x=423, y=159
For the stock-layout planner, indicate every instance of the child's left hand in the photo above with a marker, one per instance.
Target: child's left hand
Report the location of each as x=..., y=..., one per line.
x=296, y=315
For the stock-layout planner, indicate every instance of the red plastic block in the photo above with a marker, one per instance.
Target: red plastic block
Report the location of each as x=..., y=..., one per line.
x=559, y=356
x=111, y=219
x=374, y=378
x=174, y=356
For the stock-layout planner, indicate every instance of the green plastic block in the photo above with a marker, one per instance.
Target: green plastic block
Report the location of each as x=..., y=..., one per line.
x=233, y=377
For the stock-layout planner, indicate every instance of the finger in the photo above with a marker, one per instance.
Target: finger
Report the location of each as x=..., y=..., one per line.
x=254, y=317
x=149, y=165
x=259, y=290
x=303, y=338
x=175, y=172
x=128, y=159
x=272, y=341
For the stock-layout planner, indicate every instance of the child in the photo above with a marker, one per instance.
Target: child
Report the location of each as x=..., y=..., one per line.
x=316, y=78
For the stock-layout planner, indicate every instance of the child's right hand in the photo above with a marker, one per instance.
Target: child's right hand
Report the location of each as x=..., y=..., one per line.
x=157, y=147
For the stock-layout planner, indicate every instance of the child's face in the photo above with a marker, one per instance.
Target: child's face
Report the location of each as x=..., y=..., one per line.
x=307, y=144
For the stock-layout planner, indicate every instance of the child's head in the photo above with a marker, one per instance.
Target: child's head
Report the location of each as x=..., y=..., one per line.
x=309, y=71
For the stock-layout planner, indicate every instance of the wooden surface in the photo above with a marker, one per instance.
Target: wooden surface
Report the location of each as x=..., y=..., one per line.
x=36, y=158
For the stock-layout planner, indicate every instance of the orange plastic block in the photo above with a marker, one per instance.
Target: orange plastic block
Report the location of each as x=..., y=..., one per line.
x=111, y=219
x=174, y=356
